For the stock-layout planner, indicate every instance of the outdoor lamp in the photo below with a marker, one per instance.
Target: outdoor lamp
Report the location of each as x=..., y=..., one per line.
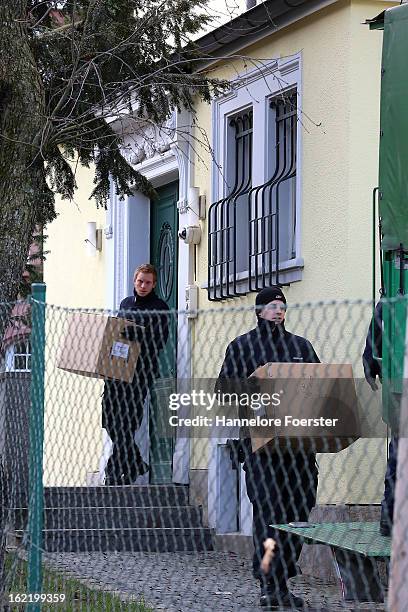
x=93, y=239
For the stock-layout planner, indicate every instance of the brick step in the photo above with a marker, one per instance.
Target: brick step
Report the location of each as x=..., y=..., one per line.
x=105, y=518
x=133, y=495
x=127, y=540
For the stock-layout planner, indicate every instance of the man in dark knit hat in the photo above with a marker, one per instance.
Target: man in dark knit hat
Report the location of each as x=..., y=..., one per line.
x=281, y=482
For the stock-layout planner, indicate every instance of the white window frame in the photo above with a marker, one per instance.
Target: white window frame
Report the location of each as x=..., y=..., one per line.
x=11, y=354
x=256, y=88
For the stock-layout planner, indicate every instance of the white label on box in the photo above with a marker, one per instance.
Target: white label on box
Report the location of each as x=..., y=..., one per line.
x=119, y=349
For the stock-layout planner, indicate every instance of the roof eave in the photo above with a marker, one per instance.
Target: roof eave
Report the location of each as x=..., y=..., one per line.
x=251, y=27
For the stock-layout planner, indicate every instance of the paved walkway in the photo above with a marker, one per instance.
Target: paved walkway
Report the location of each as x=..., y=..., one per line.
x=189, y=582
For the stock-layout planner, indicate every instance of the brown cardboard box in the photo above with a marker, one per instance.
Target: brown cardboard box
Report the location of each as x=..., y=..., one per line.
x=318, y=393
x=93, y=346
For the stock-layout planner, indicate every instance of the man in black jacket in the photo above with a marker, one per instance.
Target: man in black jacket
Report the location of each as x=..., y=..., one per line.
x=372, y=370
x=372, y=366
x=281, y=483
x=122, y=404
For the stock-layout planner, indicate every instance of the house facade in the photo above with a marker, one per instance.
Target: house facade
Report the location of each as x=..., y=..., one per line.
x=295, y=139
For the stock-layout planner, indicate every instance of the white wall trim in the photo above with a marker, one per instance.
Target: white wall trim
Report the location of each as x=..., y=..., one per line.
x=299, y=157
x=220, y=471
x=161, y=169
x=181, y=150
x=289, y=271
x=116, y=235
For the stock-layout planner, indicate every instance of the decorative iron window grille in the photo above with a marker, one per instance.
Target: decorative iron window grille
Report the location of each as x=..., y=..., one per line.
x=252, y=230
x=228, y=218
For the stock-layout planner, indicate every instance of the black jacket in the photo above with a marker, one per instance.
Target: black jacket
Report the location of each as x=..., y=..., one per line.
x=156, y=328
x=265, y=343
x=372, y=367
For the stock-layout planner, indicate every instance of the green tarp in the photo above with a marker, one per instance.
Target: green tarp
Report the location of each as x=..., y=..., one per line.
x=394, y=129
x=363, y=538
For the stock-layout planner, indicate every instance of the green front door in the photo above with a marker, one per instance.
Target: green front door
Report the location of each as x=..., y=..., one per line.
x=163, y=255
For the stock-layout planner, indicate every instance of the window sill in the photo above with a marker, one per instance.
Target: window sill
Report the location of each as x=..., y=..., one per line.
x=289, y=272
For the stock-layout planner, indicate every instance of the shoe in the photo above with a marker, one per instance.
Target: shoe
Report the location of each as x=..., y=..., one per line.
x=141, y=469
x=112, y=481
x=273, y=601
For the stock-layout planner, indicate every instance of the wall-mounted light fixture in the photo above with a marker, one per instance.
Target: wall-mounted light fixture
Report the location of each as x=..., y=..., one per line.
x=196, y=202
x=93, y=239
x=191, y=234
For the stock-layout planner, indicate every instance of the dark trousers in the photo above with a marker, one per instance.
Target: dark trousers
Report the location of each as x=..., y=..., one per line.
x=282, y=488
x=387, y=504
x=123, y=406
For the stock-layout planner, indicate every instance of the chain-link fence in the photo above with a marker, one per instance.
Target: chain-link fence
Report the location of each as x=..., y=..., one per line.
x=169, y=477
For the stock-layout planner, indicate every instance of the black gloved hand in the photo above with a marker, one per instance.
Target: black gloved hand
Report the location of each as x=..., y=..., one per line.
x=130, y=333
x=238, y=452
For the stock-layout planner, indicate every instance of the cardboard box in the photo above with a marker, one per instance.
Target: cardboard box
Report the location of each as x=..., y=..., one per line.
x=312, y=396
x=93, y=346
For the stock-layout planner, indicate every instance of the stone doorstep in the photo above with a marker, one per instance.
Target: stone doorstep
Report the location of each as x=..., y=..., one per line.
x=126, y=495
x=237, y=543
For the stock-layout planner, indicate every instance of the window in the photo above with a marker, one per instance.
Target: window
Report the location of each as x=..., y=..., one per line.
x=252, y=229
x=229, y=217
x=18, y=357
x=273, y=205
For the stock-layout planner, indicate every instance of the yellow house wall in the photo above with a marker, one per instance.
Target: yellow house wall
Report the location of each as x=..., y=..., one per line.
x=73, y=440
x=340, y=100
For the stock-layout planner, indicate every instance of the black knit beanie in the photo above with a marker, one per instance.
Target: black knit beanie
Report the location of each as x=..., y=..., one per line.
x=267, y=295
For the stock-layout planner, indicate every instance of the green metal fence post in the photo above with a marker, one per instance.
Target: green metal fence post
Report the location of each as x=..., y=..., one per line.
x=36, y=502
